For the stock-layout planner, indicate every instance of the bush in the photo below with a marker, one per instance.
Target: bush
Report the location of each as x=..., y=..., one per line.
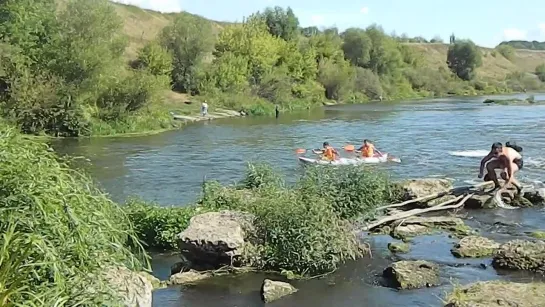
x=507, y=51
x=58, y=230
x=540, y=72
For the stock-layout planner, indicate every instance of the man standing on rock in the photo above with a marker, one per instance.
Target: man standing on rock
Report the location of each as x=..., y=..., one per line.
x=508, y=159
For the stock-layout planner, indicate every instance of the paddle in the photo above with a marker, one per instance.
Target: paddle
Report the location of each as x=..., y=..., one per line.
x=302, y=150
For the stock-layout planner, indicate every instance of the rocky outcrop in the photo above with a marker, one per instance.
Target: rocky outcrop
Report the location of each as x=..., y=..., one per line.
x=412, y=274
x=474, y=247
x=188, y=278
x=404, y=232
x=498, y=293
x=134, y=288
x=399, y=247
x=521, y=255
x=274, y=290
x=216, y=239
x=416, y=226
x=415, y=188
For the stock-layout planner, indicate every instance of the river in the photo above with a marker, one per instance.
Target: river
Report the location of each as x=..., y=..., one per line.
x=169, y=169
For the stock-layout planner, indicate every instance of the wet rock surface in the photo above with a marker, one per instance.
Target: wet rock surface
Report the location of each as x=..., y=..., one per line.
x=409, y=231
x=415, y=188
x=521, y=255
x=399, y=247
x=191, y=277
x=412, y=274
x=274, y=290
x=215, y=239
x=134, y=288
x=498, y=293
x=474, y=247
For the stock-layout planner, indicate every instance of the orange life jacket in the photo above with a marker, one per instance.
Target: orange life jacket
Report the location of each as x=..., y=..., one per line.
x=368, y=151
x=329, y=153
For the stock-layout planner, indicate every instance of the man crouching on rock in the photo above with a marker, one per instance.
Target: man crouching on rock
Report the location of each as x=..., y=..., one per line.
x=508, y=159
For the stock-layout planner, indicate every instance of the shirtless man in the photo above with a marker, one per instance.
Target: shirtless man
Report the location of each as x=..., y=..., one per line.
x=508, y=159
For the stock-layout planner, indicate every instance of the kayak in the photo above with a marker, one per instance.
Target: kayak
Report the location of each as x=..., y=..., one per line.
x=349, y=161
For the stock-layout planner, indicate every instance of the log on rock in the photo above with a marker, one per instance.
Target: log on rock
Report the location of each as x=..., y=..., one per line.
x=406, y=214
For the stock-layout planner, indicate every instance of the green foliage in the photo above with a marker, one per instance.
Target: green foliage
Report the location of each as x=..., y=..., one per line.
x=58, y=231
x=507, y=51
x=533, y=45
x=463, y=58
x=540, y=72
x=281, y=23
x=357, y=47
x=155, y=59
x=335, y=77
x=188, y=39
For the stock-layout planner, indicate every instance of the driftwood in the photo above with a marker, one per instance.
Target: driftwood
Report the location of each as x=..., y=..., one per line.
x=406, y=214
x=435, y=195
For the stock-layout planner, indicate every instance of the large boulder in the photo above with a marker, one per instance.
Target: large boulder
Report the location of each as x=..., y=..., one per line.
x=216, y=239
x=498, y=293
x=474, y=247
x=134, y=288
x=188, y=278
x=521, y=255
x=416, y=188
x=273, y=290
x=404, y=232
x=412, y=274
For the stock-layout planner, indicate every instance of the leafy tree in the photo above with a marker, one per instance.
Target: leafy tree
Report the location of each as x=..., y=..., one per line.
x=327, y=45
x=155, y=59
x=463, y=58
x=281, y=23
x=310, y=31
x=385, y=57
x=540, y=72
x=188, y=39
x=436, y=40
x=357, y=47
x=336, y=77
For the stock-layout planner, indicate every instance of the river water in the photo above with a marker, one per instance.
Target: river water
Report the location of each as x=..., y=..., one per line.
x=442, y=137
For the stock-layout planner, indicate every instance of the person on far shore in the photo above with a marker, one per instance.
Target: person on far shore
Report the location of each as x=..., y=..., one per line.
x=204, y=108
x=276, y=111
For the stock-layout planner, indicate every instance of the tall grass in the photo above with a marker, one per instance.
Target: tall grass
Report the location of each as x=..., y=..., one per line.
x=58, y=231
x=305, y=228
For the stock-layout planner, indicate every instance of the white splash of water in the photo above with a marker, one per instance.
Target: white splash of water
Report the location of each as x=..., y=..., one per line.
x=470, y=153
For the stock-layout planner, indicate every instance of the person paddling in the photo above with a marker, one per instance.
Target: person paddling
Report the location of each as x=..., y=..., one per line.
x=329, y=153
x=368, y=150
x=507, y=158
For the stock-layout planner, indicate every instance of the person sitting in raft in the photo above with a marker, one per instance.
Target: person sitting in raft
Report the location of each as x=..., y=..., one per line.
x=368, y=150
x=329, y=153
x=506, y=158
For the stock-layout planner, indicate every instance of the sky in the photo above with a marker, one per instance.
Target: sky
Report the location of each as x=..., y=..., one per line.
x=486, y=22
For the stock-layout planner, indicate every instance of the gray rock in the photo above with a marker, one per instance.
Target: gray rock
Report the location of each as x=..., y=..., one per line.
x=216, y=239
x=134, y=288
x=399, y=247
x=188, y=278
x=415, y=188
x=498, y=294
x=409, y=231
x=521, y=255
x=273, y=290
x=412, y=274
x=474, y=247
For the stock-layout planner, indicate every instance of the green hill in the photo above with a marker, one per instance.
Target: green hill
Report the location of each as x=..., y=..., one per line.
x=533, y=45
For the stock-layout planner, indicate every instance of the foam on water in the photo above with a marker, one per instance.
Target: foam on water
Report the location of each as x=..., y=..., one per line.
x=470, y=153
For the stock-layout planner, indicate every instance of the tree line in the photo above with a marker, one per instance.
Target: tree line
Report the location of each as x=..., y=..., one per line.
x=62, y=69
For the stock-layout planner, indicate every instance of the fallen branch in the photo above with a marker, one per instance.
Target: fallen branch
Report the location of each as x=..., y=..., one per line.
x=435, y=195
x=442, y=206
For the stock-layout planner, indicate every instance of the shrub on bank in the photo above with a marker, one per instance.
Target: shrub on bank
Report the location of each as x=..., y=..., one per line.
x=58, y=230
x=302, y=228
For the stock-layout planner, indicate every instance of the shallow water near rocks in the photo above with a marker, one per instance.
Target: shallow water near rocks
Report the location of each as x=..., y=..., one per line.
x=441, y=138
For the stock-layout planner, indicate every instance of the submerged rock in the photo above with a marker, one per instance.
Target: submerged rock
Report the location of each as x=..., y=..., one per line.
x=273, y=290
x=521, y=255
x=415, y=188
x=216, y=239
x=538, y=234
x=134, y=288
x=188, y=278
x=399, y=247
x=412, y=274
x=474, y=247
x=498, y=293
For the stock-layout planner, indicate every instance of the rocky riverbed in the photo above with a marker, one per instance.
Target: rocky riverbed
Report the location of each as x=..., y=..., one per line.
x=215, y=243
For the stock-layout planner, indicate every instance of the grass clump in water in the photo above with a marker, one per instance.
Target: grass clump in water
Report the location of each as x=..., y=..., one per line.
x=59, y=232
x=301, y=228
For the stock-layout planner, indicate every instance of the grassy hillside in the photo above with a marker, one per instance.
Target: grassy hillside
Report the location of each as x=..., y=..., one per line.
x=143, y=25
